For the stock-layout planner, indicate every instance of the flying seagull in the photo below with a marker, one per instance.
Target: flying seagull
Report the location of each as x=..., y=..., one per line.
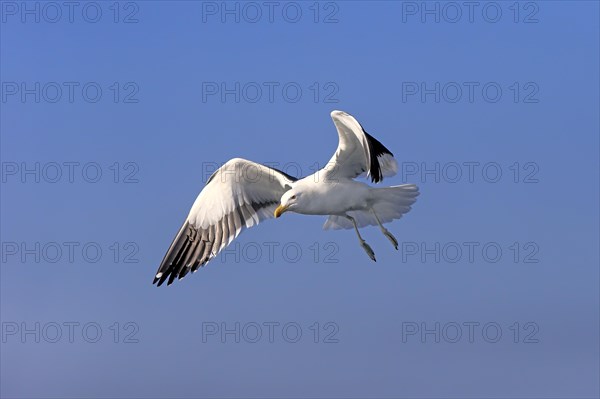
x=242, y=193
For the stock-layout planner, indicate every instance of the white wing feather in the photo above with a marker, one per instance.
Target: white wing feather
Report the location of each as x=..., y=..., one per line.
x=358, y=152
x=239, y=195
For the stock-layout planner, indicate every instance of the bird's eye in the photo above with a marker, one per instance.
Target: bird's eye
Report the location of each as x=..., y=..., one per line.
x=293, y=197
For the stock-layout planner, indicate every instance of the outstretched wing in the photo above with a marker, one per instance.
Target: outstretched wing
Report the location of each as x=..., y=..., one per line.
x=358, y=152
x=239, y=195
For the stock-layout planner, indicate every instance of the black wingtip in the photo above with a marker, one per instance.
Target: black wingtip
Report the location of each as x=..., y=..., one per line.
x=161, y=279
x=183, y=272
x=172, y=277
x=376, y=149
x=175, y=258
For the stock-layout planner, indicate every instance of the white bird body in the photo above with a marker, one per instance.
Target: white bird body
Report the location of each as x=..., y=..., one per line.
x=332, y=198
x=243, y=193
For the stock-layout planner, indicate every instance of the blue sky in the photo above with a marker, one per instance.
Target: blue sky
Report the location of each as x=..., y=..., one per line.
x=113, y=117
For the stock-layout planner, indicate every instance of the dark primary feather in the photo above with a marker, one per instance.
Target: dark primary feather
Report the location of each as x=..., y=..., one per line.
x=193, y=247
x=376, y=149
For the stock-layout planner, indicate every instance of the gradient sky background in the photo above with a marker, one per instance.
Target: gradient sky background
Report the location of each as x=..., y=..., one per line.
x=363, y=61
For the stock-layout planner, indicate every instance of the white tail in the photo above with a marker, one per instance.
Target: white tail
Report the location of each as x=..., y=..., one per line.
x=389, y=203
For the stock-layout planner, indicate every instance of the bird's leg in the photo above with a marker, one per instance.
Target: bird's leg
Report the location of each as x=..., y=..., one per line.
x=363, y=244
x=385, y=231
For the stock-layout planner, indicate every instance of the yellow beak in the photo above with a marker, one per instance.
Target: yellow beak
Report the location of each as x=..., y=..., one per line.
x=279, y=211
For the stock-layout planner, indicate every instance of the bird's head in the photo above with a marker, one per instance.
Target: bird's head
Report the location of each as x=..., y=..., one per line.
x=290, y=201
